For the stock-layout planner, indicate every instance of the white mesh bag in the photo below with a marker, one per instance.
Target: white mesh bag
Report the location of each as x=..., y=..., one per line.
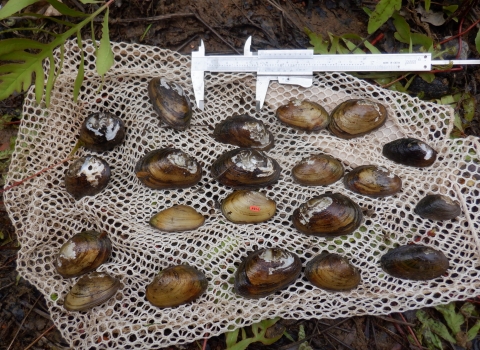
x=45, y=215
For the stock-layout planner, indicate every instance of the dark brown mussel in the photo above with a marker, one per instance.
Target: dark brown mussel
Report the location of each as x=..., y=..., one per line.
x=354, y=118
x=91, y=290
x=372, y=181
x=245, y=168
x=317, y=170
x=102, y=132
x=83, y=253
x=170, y=103
x=328, y=215
x=333, y=272
x=168, y=168
x=438, y=207
x=414, y=262
x=304, y=115
x=266, y=271
x=87, y=176
x=410, y=151
x=175, y=286
x=244, y=131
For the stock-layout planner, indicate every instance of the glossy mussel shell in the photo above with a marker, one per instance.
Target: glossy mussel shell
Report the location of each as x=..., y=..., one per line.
x=266, y=271
x=87, y=176
x=91, y=290
x=437, y=207
x=177, y=218
x=410, y=151
x=245, y=168
x=354, y=118
x=170, y=103
x=414, y=262
x=175, y=286
x=83, y=253
x=244, y=131
x=372, y=181
x=102, y=132
x=304, y=115
x=333, y=272
x=168, y=168
x=328, y=215
x=248, y=207
x=317, y=170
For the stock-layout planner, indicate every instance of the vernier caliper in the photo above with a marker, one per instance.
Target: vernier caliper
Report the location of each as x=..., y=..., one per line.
x=297, y=66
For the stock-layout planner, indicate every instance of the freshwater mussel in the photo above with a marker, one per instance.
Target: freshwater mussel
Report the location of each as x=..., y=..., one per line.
x=170, y=102
x=177, y=218
x=317, y=170
x=91, y=290
x=248, y=207
x=332, y=272
x=244, y=131
x=176, y=285
x=410, y=151
x=438, y=207
x=101, y=132
x=328, y=215
x=304, y=115
x=83, y=253
x=245, y=168
x=354, y=118
x=168, y=168
x=372, y=181
x=265, y=271
x=414, y=262
x=87, y=176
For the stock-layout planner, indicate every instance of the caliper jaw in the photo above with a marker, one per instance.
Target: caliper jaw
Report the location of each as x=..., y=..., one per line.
x=197, y=78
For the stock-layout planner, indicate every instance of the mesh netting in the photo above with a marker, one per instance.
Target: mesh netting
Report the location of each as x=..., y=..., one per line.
x=45, y=215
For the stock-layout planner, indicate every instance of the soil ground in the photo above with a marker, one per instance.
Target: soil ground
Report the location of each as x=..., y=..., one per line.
x=224, y=26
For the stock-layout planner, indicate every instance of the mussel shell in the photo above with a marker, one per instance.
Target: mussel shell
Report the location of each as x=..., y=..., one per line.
x=317, y=170
x=410, y=151
x=248, y=207
x=83, y=253
x=177, y=218
x=91, y=290
x=170, y=103
x=438, y=207
x=266, y=271
x=372, y=181
x=175, y=286
x=102, y=132
x=354, y=118
x=168, y=168
x=333, y=272
x=87, y=176
x=245, y=168
x=328, y=215
x=304, y=115
x=244, y=131
x=414, y=262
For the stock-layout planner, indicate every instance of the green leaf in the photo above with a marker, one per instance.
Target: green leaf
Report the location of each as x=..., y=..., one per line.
x=65, y=10
x=423, y=40
x=472, y=332
x=477, y=41
x=319, y=45
x=371, y=48
x=104, y=53
x=231, y=338
x=403, y=29
x=383, y=11
x=458, y=122
x=450, y=9
x=351, y=46
x=367, y=11
x=454, y=320
x=14, y=6
x=428, y=77
x=2, y=236
x=81, y=70
x=427, y=5
x=54, y=296
x=435, y=326
x=469, y=105
x=468, y=310
x=90, y=1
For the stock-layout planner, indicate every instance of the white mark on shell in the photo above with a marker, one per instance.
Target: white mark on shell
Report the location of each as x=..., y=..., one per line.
x=165, y=83
x=183, y=161
x=370, y=103
x=297, y=103
x=428, y=151
x=92, y=168
x=257, y=132
x=312, y=207
x=68, y=251
x=247, y=161
x=386, y=172
x=96, y=123
x=284, y=259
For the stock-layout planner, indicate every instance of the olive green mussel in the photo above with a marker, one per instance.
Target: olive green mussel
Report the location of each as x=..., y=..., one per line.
x=177, y=218
x=176, y=285
x=333, y=272
x=83, y=253
x=414, y=262
x=248, y=207
x=168, y=168
x=317, y=170
x=354, y=118
x=372, y=181
x=91, y=290
x=304, y=115
x=328, y=215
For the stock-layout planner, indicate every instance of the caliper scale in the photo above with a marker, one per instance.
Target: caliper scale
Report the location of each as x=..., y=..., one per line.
x=296, y=67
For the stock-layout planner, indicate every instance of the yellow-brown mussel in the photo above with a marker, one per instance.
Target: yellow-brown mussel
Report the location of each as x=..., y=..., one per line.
x=248, y=207
x=317, y=170
x=177, y=218
x=304, y=115
x=372, y=181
